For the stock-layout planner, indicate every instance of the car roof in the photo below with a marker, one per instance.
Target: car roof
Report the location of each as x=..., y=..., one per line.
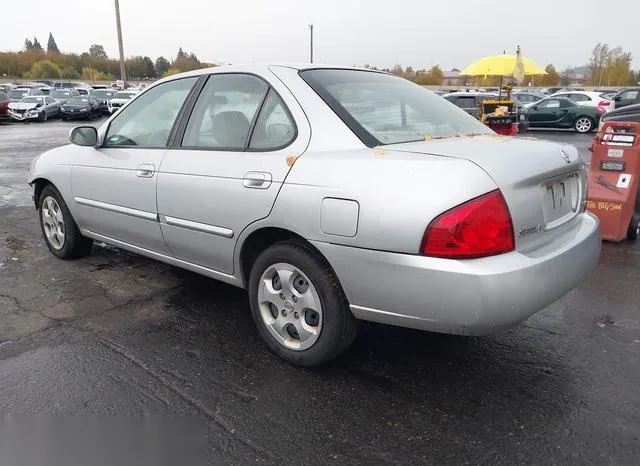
x=577, y=92
x=263, y=68
x=472, y=94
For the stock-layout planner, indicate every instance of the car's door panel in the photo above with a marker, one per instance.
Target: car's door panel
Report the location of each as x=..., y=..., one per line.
x=114, y=186
x=208, y=195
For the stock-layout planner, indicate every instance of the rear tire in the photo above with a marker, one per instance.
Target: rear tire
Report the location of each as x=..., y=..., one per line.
x=309, y=298
x=59, y=229
x=634, y=227
x=584, y=124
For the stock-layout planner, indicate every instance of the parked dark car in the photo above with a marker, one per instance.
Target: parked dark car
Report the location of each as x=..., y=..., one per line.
x=470, y=102
x=4, y=105
x=37, y=107
x=82, y=106
x=62, y=95
x=630, y=113
x=560, y=112
x=628, y=96
x=104, y=96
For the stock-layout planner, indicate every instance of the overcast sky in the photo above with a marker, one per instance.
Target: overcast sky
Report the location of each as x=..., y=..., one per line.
x=420, y=33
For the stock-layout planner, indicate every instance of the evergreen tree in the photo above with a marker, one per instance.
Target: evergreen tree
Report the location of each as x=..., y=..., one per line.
x=52, y=47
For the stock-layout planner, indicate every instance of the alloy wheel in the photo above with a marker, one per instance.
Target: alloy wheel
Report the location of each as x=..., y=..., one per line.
x=583, y=125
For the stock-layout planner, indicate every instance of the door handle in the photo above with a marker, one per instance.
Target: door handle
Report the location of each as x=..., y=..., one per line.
x=257, y=180
x=146, y=170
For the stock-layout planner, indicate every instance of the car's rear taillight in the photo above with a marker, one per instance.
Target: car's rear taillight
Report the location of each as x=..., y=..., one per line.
x=604, y=103
x=478, y=228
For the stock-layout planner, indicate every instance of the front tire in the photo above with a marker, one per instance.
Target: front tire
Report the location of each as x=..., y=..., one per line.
x=58, y=227
x=298, y=305
x=43, y=116
x=583, y=124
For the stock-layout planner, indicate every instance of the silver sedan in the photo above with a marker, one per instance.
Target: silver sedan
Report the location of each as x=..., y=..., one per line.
x=333, y=195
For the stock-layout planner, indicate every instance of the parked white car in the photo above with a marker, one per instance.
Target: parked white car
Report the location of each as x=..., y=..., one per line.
x=121, y=98
x=588, y=99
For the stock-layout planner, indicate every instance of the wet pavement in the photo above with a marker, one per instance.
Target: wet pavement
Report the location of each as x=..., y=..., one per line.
x=118, y=334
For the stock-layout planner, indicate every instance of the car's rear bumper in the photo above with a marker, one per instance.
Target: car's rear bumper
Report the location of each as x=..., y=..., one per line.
x=467, y=297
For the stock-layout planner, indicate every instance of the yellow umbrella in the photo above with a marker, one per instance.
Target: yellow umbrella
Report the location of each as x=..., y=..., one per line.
x=501, y=65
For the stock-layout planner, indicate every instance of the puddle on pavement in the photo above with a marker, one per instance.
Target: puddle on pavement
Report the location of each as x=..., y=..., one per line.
x=15, y=244
x=623, y=331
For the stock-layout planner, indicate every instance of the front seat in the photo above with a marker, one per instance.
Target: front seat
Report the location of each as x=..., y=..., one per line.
x=230, y=129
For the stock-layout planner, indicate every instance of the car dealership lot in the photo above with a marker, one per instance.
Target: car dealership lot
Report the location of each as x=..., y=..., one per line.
x=118, y=333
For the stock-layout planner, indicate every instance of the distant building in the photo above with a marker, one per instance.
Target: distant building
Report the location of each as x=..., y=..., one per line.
x=577, y=75
x=454, y=78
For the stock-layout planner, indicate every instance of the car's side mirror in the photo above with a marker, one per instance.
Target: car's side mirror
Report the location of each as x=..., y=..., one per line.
x=84, y=136
x=535, y=107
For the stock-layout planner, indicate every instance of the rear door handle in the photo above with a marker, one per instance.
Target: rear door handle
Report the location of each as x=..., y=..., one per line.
x=257, y=180
x=146, y=170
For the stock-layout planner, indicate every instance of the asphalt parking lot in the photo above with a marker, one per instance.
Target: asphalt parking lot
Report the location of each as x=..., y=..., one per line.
x=120, y=334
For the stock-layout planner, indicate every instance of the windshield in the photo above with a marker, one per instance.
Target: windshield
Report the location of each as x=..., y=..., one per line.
x=101, y=94
x=78, y=101
x=385, y=109
x=124, y=95
x=33, y=100
x=60, y=94
x=18, y=93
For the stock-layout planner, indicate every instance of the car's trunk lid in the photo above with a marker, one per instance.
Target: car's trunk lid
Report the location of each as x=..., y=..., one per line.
x=543, y=182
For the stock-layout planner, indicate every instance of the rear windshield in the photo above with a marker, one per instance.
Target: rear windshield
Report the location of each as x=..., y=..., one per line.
x=78, y=100
x=124, y=95
x=103, y=94
x=33, y=100
x=61, y=94
x=386, y=109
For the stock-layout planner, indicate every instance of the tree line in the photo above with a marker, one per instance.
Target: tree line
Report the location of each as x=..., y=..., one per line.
x=607, y=67
x=34, y=62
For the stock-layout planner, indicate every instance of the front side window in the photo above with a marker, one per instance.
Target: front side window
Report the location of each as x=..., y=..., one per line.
x=384, y=109
x=147, y=121
x=222, y=116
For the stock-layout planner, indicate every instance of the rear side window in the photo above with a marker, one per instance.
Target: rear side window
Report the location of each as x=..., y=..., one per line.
x=630, y=95
x=224, y=112
x=274, y=127
x=3, y=96
x=580, y=98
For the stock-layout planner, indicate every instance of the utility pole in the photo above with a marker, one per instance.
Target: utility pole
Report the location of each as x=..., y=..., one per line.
x=311, y=42
x=123, y=73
